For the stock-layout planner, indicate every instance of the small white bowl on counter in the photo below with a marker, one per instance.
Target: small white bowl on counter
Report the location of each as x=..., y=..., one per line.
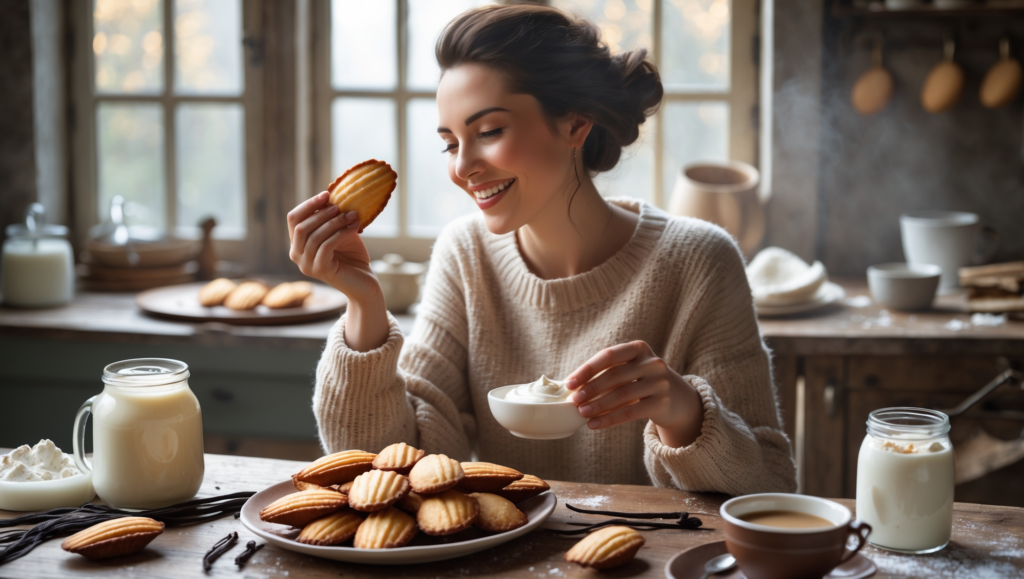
x=539, y=421
x=44, y=495
x=904, y=286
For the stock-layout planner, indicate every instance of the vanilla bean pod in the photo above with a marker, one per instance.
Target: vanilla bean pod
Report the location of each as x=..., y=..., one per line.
x=219, y=548
x=666, y=515
x=250, y=549
x=684, y=522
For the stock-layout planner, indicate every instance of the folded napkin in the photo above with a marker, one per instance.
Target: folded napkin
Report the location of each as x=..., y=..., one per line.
x=780, y=278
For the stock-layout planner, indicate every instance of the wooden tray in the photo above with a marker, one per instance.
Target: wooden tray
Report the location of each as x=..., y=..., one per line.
x=181, y=302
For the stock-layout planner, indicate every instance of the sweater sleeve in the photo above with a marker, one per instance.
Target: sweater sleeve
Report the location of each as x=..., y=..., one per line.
x=411, y=391
x=742, y=448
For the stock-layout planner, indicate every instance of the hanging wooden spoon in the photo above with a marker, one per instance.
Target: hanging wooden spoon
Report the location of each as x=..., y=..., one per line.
x=873, y=90
x=1002, y=82
x=945, y=83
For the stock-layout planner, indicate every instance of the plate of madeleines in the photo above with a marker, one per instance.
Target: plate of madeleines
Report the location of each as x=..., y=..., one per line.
x=400, y=506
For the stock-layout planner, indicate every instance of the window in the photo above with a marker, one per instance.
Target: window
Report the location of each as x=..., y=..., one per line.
x=375, y=81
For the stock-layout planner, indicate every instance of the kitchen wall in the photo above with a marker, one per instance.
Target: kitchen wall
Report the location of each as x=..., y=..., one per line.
x=17, y=145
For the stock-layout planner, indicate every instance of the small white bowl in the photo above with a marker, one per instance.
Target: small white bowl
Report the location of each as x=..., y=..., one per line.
x=544, y=421
x=904, y=286
x=44, y=495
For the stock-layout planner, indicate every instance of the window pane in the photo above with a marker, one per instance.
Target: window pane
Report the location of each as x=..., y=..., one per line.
x=210, y=155
x=625, y=24
x=433, y=199
x=130, y=155
x=427, y=18
x=694, y=131
x=633, y=176
x=208, y=47
x=695, y=43
x=364, y=128
x=363, y=44
x=129, y=46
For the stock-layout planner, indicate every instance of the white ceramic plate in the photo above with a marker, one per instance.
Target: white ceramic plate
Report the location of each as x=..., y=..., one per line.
x=423, y=548
x=829, y=293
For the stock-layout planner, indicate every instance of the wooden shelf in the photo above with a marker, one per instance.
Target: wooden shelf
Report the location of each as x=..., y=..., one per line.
x=983, y=11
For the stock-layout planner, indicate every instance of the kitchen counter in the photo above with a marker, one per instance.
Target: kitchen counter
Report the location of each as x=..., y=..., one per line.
x=986, y=540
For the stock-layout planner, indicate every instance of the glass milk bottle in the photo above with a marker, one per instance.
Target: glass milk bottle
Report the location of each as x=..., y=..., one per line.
x=147, y=435
x=905, y=474
x=38, y=266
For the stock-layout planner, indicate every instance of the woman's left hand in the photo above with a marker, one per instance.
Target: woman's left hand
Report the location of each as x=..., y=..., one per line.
x=636, y=384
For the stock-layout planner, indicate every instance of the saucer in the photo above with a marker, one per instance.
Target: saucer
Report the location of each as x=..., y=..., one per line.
x=690, y=565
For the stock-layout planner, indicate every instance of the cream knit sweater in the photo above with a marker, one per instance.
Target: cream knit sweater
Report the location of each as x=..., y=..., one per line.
x=486, y=321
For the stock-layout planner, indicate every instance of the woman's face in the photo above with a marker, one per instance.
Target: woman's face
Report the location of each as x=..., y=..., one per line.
x=501, y=148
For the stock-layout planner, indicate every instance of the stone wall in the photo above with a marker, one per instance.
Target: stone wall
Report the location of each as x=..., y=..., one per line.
x=17, y=145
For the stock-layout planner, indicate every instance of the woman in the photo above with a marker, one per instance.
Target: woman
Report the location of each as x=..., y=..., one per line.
x=550, y=278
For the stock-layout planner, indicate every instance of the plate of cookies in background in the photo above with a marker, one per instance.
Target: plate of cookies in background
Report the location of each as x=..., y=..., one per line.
x=398, y=507
x=243, y=302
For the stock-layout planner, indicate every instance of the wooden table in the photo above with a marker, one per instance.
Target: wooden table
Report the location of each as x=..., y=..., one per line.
x=987, y=541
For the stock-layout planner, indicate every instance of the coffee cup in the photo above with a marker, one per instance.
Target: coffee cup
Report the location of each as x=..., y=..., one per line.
x=947, y=239
x=782, y=536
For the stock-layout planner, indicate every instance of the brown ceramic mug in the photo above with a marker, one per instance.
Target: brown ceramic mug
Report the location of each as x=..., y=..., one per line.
x=769, y=552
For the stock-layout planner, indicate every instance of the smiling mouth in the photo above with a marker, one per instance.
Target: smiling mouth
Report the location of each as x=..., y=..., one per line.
x=487, y=193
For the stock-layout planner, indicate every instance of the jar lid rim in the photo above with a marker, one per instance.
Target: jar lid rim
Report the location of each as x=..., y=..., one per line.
x=145, y=372
x=908, y=420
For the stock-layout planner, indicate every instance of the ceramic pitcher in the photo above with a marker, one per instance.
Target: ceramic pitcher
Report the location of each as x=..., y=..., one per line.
x=724, y=193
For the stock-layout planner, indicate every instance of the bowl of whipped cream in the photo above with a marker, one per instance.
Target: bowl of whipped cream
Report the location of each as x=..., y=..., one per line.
x=41, y=477
x=539, y=410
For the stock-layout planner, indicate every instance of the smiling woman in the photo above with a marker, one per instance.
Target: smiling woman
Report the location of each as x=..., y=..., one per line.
x=648, y=317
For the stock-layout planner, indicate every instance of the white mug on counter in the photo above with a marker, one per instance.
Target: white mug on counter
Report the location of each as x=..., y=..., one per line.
x=147, y=435
x=947, y=239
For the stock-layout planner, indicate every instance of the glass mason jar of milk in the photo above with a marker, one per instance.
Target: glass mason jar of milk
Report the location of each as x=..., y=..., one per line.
x=905, y=474
x=147, y=435
x=38, y=266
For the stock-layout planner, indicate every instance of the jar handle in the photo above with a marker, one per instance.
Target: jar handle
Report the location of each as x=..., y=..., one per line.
x=861, y=530
x=78, y=436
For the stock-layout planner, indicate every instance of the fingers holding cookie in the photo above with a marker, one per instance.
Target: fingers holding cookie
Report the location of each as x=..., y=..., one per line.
x=365, y=189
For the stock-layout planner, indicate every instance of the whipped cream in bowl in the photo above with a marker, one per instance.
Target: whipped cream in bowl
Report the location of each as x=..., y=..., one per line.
x=540, y=410
x=41, y=477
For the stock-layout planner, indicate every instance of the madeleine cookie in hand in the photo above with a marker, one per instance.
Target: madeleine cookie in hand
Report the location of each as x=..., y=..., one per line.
x=606, y=548
x=527, y=487
x=365, y=189
x=114, y=538
x=301, y=508
x=246, y=296
x=215, y=292
x=399, y=457
x=497, y=514
x=337, y=468
x=447, y=513
x=376, y=490
x=435, y=473
x=385, y=529
x=334, y=529
x=288, y=295
x=486, y=477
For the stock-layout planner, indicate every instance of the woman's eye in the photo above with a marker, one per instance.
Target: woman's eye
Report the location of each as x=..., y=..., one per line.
x=492, y=133
x=450, y=147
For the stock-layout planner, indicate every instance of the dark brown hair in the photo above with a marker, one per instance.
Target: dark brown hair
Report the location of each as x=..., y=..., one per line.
x=561, y=61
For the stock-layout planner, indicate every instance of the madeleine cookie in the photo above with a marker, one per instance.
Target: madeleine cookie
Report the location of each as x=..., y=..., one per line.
x=365, y=189
x=306, y=486
x=246, y=296
x=114, y=538
x=527, y=487
x=214, y=293
x=337, y=468
x=447, y=513
x=498, y=514
x=486, y=477
x=301, y=508
x=435, y=473
x=399, y=457
x=606, y=548
x=288, y=295
x=344, y=487
x=376, y=490
x=410, y=503
x=334, y=529
x=385, y=529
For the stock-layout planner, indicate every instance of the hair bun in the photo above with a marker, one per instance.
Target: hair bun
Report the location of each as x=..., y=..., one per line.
x=641, y=79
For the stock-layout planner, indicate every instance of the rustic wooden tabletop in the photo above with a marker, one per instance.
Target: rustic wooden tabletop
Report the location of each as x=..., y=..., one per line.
x=987, y=541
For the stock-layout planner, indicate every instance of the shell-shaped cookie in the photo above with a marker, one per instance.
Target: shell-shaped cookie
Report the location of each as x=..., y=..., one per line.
x=337, y=468
x=301, y=508
x=446, y=513
x=487, y=477
x=364, y=188
x=306, y=486
x=345, y=487
x=435, y=473
x=385, y=529
x=376, y=490
x=334, y=529
x=288, y=295
x=246, y=296
x=527, y=487
x=214, y=293
x=498, y=514
x=410, y=503
x=114, y=538
x=399, y=457
x=606, y=548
